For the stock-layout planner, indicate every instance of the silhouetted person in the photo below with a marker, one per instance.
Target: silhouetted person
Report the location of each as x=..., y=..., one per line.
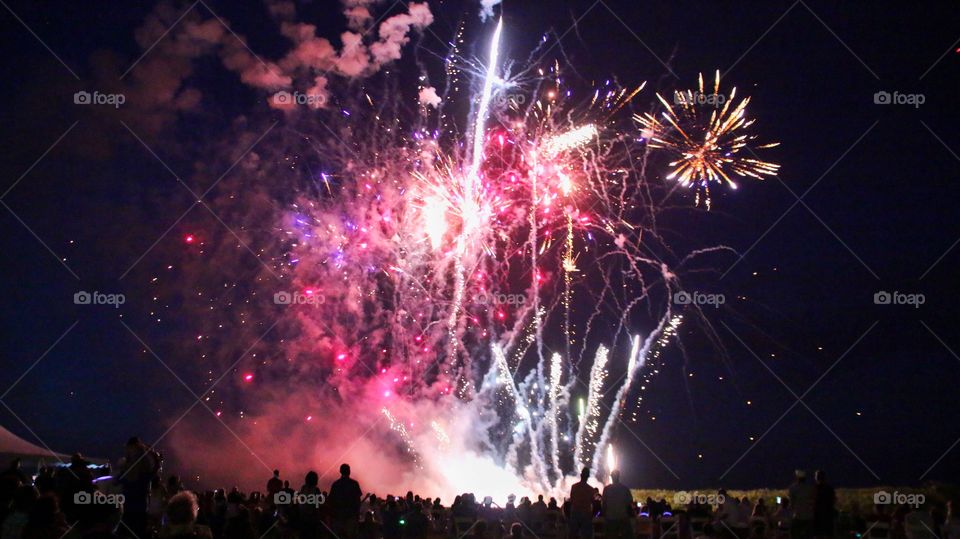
x=15, y=471
x=416, y=525
x=824, y=507
x=510, y=510
x=99, y=521
x=139, y=467
x=803, y=499
x=344, y=503
x=391, y=519
x=617, y=508
x=783, y=517
x=951, y=524
x=370, y=528
x=759, y=510
x=274, y=485
x=919, y=523
x=524, y=511
x=45, y=520
x=71, y=480
x=538, y=514
x=182, y=510
x=310, y=513
x=23, y=500
x=581, y=508
x=46, y=482
x=238, y=525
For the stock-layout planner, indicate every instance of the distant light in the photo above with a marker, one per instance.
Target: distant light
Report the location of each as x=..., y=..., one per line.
x=248, y=377
x=189, y=238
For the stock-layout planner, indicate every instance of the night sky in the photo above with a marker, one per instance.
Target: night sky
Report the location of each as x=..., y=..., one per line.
x=811, y=373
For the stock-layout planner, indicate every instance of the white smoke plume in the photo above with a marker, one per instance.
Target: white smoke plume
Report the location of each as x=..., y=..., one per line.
x=429, y=98
x=486, y=8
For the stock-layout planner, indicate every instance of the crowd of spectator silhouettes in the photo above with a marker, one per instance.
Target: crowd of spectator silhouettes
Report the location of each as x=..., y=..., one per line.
x=67, y=501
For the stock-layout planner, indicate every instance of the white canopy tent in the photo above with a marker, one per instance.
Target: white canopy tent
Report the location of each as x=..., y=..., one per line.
x=32, y=455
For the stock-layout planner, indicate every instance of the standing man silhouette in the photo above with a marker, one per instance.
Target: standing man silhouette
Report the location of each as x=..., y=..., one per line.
x=581, y=508
x=344, y=500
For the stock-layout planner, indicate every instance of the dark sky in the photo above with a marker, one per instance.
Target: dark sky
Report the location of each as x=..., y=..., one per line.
x=815, y=374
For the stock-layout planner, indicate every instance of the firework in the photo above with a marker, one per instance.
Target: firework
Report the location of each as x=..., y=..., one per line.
x=709, y=136
x=450, y=275
x=570, y=139
x=611, y=458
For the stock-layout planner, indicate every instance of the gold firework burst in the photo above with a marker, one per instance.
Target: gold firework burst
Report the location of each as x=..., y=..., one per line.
x=707, y=133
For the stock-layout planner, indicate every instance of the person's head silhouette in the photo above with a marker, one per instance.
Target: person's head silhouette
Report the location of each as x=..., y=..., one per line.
x=345, y=470
x=585, y=474
x=615, y=477
x=312, y=478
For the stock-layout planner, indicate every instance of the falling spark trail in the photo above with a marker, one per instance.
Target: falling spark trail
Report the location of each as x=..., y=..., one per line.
x=471, y=208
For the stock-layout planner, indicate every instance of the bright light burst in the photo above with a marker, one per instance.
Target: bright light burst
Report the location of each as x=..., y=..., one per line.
x=476, y=290
x=706, y=133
